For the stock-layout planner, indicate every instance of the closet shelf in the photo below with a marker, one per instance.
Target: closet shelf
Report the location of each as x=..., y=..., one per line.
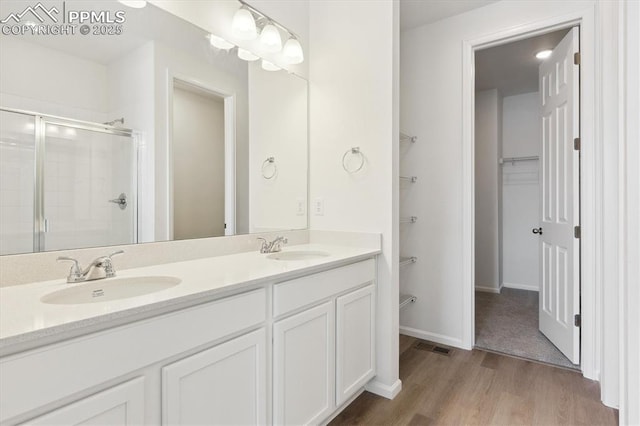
x=411, y=179
x=407, y=260
x=410, y=219
x=406, y=138
x=405, y=299
x=514, y=159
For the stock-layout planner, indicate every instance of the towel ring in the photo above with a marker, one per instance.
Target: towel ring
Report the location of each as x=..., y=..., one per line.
x=265, y=164
x=354, y=150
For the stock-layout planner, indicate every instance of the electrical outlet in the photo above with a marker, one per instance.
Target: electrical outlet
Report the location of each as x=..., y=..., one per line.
x=300, y=209
x=318, y=207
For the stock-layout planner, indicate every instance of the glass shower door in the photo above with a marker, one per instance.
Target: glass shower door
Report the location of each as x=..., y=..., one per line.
x=17, y=182
x=89, y=186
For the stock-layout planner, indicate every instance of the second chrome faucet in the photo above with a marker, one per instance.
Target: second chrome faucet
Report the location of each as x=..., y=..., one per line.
x=273, y=246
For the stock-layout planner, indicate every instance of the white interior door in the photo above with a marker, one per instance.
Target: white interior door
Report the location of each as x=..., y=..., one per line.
x=559, y=249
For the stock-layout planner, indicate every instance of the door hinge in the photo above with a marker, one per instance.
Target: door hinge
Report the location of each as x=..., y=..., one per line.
x=576, y=58
x=577, y=321
x=576, y=231
x=576, y=144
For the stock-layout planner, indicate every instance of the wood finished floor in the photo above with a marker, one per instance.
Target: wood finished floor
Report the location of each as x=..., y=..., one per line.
x=480, y=388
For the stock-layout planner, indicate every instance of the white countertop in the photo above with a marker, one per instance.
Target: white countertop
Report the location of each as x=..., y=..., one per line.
x=26, y=322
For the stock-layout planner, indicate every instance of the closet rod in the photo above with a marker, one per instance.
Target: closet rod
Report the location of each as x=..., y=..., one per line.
x=514, y=159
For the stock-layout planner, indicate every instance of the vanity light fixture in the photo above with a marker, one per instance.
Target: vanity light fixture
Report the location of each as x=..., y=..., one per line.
x=293, y=51
x=268, y=66
x=244, y=25
x=245, y=55
x=136, y=4
x=220, y=43
x=544, y=54
x=270, y=39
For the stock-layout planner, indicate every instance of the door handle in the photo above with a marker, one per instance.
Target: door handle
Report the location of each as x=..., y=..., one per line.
x=537, y=231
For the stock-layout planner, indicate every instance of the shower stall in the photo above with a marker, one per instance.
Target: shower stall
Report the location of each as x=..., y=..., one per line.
x=65, y=183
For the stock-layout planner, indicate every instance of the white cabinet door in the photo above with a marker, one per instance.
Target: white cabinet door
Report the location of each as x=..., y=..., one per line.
x=304, y=366
x=355, y=342
x=224, y=385
x=119, y=405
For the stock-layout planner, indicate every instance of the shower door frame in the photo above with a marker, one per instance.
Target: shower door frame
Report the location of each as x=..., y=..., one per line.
x=40, y=122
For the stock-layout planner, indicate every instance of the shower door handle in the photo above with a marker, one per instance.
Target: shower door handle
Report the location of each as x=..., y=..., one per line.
x=121, y=201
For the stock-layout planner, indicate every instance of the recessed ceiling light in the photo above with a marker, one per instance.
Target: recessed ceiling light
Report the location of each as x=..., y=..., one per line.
x=544, y=54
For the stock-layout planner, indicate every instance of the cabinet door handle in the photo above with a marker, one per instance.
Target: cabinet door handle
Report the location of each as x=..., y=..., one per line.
x=537, y=231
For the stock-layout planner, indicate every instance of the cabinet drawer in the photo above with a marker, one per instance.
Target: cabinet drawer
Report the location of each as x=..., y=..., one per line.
x=294, y=294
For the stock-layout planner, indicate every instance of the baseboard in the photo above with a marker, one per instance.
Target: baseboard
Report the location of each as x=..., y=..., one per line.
x=384, y=390
x=487, y=289
x=521, y=286
x=432, y=337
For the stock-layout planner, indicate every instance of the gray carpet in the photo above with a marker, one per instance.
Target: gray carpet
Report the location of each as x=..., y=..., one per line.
x=508, y=323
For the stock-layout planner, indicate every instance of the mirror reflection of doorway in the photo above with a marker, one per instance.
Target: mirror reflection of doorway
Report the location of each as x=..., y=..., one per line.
x=198, y=163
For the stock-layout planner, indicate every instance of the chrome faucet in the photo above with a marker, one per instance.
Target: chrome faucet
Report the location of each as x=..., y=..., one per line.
x=102, y=263
x=273, y=246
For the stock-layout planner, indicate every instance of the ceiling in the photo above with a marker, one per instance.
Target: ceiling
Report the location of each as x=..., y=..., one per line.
x=513, y=68
x=414, y=13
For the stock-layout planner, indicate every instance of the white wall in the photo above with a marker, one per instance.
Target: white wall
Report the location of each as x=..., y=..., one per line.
x=431, y=107
x=278, y=127
x=488, y=133
x=36, y=78
x=630, y=152
x=520, y=192
x=354, y=103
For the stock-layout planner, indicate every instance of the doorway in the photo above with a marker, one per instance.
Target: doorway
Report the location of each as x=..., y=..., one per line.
x=202, y=171
x=527, y=198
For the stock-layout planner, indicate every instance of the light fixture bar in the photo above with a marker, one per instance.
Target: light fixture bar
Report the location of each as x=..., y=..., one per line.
x=267, y=18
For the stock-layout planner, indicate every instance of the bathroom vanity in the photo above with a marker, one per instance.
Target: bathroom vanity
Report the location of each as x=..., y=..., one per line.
x=246, y=338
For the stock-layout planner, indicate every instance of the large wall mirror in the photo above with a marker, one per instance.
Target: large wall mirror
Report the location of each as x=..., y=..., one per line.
x=140, y=132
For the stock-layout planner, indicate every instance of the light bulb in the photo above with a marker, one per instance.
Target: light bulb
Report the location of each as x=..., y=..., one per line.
x=246, y=55
x=543, y=54
x=268, y=66
x=270, y=39
x=219, y=42
x=293, y=51
x=136, y=4
x=243, y=25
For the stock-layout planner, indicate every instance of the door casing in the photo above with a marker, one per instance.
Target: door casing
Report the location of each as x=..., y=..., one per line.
x=590, y=220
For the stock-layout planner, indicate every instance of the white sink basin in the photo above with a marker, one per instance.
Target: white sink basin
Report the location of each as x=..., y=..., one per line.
x=109, y=289
x=298, y=255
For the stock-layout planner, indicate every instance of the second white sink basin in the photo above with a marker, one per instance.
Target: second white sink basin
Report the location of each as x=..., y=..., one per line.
x=109, y=289
x=298, y=255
